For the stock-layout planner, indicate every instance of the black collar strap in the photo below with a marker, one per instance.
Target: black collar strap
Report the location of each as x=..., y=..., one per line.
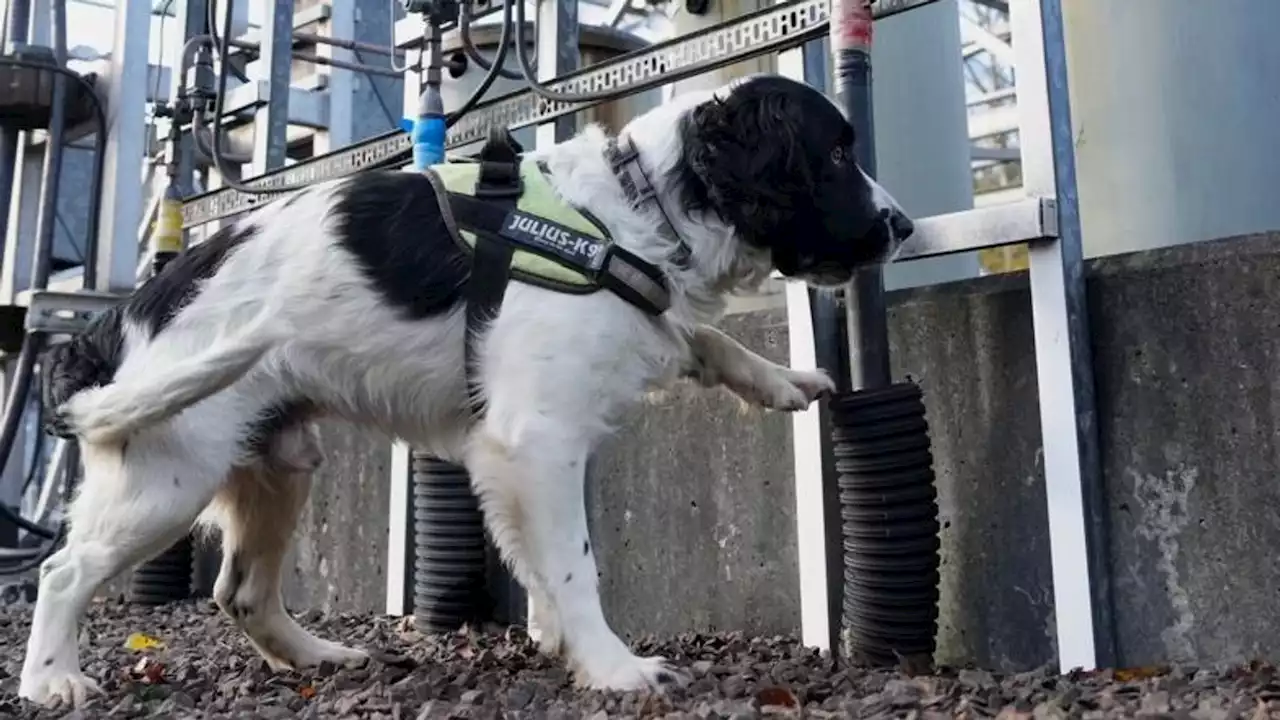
x=624, y=160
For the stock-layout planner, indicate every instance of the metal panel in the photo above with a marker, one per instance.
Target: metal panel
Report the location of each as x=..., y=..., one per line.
x=1068, y=416
x=271, y=122
x=1008, y=224
x=766, y=31
x=117, y=260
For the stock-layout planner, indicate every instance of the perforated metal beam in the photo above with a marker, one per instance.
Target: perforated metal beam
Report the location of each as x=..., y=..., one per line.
x=766, y=31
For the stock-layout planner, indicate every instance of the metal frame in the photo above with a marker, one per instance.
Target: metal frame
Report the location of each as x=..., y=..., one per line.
x=1048, y=220
x=275, y=61
x=766, y=31
x=117, y=260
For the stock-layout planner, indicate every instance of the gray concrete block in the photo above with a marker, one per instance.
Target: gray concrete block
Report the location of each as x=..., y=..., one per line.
x=691, y=507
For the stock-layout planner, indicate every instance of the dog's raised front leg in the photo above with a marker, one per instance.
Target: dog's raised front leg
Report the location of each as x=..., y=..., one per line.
x=531, y=491
x=721, y=360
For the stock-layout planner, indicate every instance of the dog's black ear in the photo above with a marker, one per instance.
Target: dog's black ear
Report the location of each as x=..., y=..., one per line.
x=744, y=159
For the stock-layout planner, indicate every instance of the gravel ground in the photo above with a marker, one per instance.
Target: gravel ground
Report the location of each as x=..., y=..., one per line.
x=206, y=670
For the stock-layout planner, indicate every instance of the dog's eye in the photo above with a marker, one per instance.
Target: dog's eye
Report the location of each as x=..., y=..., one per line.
x=839, y=155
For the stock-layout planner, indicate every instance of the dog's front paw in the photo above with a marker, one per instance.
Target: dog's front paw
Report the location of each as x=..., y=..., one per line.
x=794, y=390
x=51, y=686
x=633, y=673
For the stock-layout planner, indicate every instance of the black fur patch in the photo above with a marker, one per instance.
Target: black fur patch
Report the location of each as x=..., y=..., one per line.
x=391, y=222
x=91, y=358
x=158, y=301
x=775, y=160
x=87, y=360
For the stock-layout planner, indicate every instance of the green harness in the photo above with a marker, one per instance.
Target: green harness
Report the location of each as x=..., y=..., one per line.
x=502, y=209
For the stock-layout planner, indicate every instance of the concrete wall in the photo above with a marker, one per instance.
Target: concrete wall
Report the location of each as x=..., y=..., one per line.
x=692, y=505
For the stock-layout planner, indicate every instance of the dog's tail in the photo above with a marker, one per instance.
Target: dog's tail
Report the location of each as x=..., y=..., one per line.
x=109, y=414
x=87, y=360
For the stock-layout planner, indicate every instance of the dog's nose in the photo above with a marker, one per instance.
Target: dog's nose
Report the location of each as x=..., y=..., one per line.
x=901, y=225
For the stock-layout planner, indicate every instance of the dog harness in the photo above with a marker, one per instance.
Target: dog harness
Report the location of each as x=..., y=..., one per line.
x=504, y=212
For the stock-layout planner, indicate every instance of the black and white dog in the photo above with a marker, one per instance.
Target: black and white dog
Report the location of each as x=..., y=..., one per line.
x=192, y=399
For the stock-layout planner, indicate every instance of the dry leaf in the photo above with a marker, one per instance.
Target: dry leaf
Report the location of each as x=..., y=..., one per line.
x=307, y=692
x=149, y=671
x=777, y=697
x=141, y=641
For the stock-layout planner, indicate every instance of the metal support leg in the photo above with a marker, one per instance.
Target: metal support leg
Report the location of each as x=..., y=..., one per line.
x=342, y=83
x=15, y=34
x=271, y=123
x=1068, y=416
x=818, y=339
x=117, y=260
x=558, y=51
x=868, y=323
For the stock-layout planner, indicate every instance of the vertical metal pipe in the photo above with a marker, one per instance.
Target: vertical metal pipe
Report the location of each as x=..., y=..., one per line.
x=51, y=175
x=17, y=18
x=271, y=124
x=851, y=22
x=831, y=353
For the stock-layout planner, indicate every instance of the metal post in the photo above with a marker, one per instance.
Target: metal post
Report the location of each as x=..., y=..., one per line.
x=191, y=17
x=19, y=17
x=851, y=23
x=341, y=83
x=1068, y=416
x=818, y=339
x=557, y=53
x=271, y=122
x=117, y=260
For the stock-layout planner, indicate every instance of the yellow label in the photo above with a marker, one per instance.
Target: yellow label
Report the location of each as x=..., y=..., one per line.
x=168, y=234
x=1006, y=259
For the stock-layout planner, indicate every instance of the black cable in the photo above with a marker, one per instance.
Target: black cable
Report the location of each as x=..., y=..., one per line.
x=90, y=275
x=37, y=448
x=228, y=179
x=36, y=555
x=469, y=47
x=522, y=58
x=22, y=376
x=504, y=40
x=218, y=45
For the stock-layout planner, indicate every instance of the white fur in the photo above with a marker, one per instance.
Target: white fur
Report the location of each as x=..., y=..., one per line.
x=289, y=314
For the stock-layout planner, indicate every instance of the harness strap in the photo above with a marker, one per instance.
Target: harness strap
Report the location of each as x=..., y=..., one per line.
x=499, y=183
x=614, y=267
x=624, y=160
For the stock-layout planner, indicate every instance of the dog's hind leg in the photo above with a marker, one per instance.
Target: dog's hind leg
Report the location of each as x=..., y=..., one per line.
x=532, y=496
x=257, y=511
x=135, y=501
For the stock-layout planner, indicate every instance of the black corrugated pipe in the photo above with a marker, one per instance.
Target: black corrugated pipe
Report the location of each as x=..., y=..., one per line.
x=880, y=439
x=450, y=558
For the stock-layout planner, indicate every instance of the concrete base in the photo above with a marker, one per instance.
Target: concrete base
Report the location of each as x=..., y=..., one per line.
x=692, y=503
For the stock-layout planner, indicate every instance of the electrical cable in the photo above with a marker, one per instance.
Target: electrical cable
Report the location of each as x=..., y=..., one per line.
x=218, y=44
x=32, y=342
x=390, y=21
x=219, y=100
x=504, y=41
x=539, y=89
x=469, y=47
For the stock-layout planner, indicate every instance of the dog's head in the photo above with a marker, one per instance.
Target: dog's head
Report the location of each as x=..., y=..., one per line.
x=774, y=159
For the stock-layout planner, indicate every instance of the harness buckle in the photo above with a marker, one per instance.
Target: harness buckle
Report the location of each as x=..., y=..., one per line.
x=499, y=161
